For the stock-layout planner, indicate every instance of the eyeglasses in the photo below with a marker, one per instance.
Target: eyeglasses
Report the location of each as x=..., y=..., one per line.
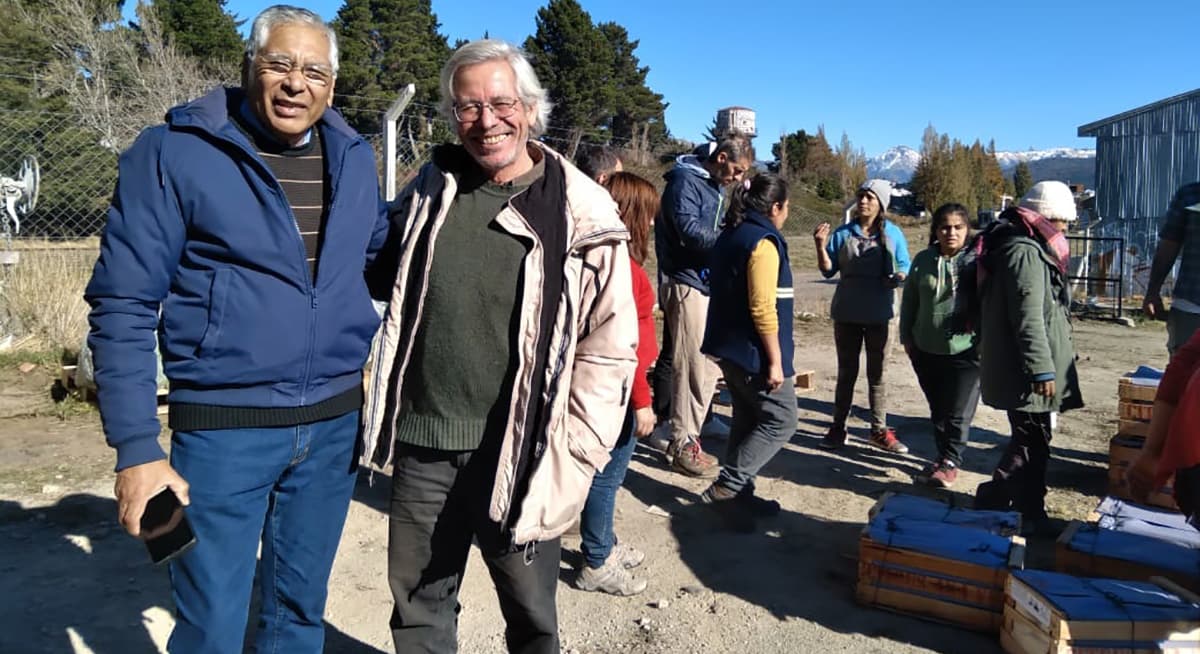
x=282, y=66
x=469, y=112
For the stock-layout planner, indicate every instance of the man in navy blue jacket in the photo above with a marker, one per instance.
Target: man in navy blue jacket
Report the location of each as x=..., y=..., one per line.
x=237, y=238
x=693, y=206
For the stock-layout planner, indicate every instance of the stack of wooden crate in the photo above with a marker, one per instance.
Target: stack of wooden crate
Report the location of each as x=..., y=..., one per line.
x=923, y=557
x=1135, y=406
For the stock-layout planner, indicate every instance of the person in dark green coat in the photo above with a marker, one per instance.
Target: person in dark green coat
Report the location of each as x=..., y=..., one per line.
x=1027, y=357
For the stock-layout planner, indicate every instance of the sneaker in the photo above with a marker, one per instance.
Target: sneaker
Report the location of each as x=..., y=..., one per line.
x=759, y=507
x=611, y=578
x=886, y=440
x=629, y=557
x=732, y=512
x=944, y=475
x=834, y=439
x=688, y=459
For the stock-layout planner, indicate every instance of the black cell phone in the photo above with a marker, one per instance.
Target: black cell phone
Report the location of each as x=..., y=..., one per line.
x=178, y=540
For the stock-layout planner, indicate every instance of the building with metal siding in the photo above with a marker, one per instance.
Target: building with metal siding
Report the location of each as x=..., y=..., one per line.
x=1142, y=156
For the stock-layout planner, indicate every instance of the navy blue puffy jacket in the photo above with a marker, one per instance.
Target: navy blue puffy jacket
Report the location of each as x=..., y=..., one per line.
x=200, y=228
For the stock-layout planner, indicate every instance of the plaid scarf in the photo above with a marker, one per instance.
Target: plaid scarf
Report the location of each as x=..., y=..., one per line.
x=973, y=265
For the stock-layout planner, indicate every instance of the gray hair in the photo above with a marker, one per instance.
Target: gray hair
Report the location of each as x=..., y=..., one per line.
x=529, y=89
x=277, y=15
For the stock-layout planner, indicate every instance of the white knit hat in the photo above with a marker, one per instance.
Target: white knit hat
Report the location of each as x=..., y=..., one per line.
x=881, y=189
x=1054, y=200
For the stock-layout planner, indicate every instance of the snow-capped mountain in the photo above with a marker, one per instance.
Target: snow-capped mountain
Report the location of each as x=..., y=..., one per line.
x=896, y=165
x=1066, y=164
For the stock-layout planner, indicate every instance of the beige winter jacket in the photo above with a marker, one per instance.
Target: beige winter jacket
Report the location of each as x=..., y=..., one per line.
x=591, y=357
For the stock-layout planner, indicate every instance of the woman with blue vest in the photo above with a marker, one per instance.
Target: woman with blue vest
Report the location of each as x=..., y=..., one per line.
x=871, y=254
x=749, y=332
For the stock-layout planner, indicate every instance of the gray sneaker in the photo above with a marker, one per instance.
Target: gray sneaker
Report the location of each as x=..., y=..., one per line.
x=629, y=557
x=611, y=578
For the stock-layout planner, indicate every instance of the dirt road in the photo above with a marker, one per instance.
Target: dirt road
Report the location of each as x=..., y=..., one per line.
x=70, y=580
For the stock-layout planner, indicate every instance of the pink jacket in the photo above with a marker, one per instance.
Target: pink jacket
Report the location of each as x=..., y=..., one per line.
x=592, y=348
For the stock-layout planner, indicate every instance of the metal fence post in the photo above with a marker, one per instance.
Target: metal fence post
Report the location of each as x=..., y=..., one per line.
x=390, y=118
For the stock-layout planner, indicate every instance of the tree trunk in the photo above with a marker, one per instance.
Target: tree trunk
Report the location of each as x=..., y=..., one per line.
x=573, y=146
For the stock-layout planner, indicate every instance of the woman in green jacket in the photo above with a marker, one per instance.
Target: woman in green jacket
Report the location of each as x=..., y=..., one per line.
x=1026, y=353
x=947, y=365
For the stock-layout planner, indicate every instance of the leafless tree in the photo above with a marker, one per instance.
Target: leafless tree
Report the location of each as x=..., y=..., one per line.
x=118, y=78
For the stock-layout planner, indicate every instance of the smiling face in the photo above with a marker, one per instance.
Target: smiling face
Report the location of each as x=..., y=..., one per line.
x=496, y=144
x=290, y=103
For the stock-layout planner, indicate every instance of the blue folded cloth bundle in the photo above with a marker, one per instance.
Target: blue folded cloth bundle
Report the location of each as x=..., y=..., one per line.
x=947, y=541
x=1131, y=518
x=1084, y=599
x=1001, y=523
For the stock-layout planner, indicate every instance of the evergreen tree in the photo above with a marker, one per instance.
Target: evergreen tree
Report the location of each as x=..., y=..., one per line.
x=638, y=116
x=1022, y=180
x=574, y=61
x=384, y=46
x=792, y=148
x=203, y=30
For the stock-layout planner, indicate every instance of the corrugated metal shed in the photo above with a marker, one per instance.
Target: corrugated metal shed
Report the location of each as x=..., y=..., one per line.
x=1142, y=156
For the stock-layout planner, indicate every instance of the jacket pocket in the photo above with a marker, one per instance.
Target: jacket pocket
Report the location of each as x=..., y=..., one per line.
x=217, y=296
x=589, y=451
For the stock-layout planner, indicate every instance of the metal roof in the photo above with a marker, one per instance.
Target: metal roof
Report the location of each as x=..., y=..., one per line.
x=1090, y=128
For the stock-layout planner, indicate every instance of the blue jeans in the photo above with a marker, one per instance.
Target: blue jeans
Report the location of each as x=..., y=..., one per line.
x=289, y=487
x=596, y=522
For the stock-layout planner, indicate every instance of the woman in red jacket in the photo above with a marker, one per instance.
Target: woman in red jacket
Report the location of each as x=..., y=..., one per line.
x=606, y=562
x=1173, y=446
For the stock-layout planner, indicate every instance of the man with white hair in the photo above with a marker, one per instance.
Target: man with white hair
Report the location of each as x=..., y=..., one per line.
x=237, y=239
x=505, y=361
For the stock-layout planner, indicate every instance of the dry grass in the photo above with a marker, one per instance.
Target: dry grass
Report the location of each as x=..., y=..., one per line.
x=42, y=295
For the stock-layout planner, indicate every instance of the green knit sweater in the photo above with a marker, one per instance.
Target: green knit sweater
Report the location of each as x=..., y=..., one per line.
x=928, y=303
x=457, y=387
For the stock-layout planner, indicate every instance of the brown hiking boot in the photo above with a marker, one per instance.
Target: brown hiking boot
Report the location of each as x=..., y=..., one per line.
x=688, y=459
x=726, y=505
x=885, y=439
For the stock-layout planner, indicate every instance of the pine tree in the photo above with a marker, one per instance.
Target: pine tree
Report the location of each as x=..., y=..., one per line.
x=638, y=116
x=573, y=60
x=1022, y=180
x=203, y=30
x=384, y=46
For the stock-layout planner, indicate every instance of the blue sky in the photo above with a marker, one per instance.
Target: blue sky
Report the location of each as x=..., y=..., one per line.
x=1026, y=73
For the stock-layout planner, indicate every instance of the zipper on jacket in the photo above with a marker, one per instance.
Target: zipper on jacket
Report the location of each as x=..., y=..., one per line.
x=306, y=274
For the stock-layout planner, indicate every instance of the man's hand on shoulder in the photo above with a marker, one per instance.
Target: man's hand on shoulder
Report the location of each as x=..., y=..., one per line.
x=137, y=484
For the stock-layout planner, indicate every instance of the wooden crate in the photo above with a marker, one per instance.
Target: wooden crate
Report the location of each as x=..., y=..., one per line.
x=1069, y=560
x=1036, y=623
x=1122, y=450
x=66, y=377
x=935, y=587
x=1135, y=410
x=1127, y=390
x=1134, y=428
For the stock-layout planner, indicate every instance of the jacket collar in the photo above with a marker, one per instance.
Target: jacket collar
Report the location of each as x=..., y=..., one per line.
x=210, y=113
x=590, y=209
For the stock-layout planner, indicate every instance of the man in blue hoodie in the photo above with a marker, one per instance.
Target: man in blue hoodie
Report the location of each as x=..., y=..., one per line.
x=693, y=206
x=237, y=240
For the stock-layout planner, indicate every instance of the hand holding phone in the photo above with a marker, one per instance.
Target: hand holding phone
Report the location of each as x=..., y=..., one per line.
x=165, y=527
